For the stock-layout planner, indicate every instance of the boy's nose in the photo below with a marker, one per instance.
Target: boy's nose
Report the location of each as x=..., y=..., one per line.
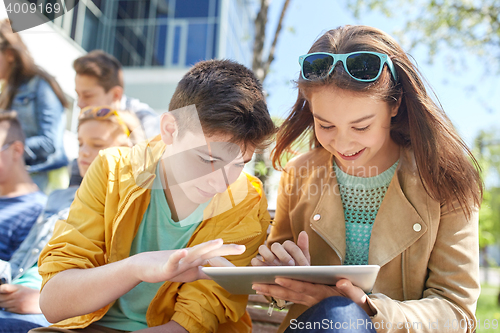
x=81, y=104
x=218, y=182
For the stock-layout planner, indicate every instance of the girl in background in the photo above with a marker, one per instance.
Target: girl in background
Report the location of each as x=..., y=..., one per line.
x=39, y=103
x=387, y=182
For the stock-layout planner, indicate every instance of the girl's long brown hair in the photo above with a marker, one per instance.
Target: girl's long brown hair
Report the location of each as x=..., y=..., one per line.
x=446, y=166
x=23, y=68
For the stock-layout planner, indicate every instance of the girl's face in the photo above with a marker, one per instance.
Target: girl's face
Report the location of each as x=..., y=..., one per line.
x=5, y=63
x=95, y=135
x=355, y=129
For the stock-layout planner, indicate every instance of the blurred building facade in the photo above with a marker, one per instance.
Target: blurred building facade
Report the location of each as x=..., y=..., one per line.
x=158, y=40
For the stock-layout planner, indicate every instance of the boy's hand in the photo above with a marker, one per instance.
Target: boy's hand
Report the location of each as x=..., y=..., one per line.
x=19, y=299
x=183, y=265
x=288, y=254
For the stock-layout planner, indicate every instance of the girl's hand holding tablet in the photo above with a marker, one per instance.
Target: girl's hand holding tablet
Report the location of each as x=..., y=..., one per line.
x=309, y=294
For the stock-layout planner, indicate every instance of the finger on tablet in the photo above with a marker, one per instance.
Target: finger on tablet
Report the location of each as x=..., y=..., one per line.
x=219, y=262
x=268, y=256
x=225, y=250
x=284, y=257
x=199, y=250
x=296, y=253
x=303, y=244
x=258, y=262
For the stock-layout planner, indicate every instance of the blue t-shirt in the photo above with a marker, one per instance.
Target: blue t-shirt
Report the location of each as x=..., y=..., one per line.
x=17, y=216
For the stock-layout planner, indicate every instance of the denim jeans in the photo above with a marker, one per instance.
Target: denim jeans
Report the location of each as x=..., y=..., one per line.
x=25, y=322
x=333, y=314
x=16, y=326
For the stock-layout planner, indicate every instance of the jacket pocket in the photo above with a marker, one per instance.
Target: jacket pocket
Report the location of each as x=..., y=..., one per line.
x=24, y=105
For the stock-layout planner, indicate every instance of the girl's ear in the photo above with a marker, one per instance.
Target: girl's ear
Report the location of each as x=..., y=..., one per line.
x=395, y=107
x=168, y=128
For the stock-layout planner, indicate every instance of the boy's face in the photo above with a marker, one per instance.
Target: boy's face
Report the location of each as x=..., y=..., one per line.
x=90, y=93
x=203, y=166
x=5, y=159
x=95, y=135
x=10, y=154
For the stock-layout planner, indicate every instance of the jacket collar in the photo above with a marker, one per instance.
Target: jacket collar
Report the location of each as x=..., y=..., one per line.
x=400, y=221
x=144, y=157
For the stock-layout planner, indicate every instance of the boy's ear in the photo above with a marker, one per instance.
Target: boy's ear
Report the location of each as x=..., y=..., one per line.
x=168, y=127
x=116, y=93
x=18, y=148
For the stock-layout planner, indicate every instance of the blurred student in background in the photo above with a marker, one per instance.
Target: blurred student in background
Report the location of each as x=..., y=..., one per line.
x=98, y=128
x=99, y=81
x=21, y=201
x=39, y=102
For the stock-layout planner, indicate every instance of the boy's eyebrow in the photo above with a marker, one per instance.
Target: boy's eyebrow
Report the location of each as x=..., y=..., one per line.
x=203, y=151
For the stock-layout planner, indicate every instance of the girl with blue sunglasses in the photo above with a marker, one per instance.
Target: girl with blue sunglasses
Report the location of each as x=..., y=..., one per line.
x=387, y=182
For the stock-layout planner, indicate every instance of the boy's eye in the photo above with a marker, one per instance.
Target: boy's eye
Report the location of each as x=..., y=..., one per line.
x=205, y=160
x=362, y=128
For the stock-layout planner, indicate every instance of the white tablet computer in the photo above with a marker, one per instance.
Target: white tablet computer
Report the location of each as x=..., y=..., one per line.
x=239, y=280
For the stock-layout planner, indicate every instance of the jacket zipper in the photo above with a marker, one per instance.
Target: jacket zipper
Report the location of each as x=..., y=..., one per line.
x=403, y=274
x=328, y=242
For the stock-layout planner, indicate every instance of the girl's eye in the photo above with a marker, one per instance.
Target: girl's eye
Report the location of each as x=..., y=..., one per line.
x=361, y=129
x=326, y=127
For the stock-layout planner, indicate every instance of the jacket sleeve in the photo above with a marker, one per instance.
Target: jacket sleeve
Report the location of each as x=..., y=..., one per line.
x=78, y=242
x=202, y=305
x=452, y=287
x=50, y=120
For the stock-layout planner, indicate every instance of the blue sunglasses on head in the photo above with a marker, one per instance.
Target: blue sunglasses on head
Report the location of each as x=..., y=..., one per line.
x=362, y=66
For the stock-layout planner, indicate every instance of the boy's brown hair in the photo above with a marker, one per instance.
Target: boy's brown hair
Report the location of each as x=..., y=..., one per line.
x=101, y=65
x=229, y=101
x=15, y=131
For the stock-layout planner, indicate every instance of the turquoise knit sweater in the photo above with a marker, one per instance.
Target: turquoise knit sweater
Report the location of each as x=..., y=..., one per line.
x=361, y=198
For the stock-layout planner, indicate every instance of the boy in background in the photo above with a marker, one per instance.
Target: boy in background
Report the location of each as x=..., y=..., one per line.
x=21, y=201
x=98, y=128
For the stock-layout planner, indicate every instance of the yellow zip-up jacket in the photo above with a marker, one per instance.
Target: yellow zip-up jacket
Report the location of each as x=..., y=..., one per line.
x=106, y=214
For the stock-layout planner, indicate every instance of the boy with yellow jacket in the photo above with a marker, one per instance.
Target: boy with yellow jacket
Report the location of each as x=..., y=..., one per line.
x=146, y=218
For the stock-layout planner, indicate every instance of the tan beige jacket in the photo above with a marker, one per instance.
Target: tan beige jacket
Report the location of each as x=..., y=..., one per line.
x=428, y=253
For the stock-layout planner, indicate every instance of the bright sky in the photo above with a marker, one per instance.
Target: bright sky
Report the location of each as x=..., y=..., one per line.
x=309, y=19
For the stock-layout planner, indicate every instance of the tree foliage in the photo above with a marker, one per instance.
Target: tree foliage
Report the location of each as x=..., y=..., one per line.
x=487, y=150
x=471, y=25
